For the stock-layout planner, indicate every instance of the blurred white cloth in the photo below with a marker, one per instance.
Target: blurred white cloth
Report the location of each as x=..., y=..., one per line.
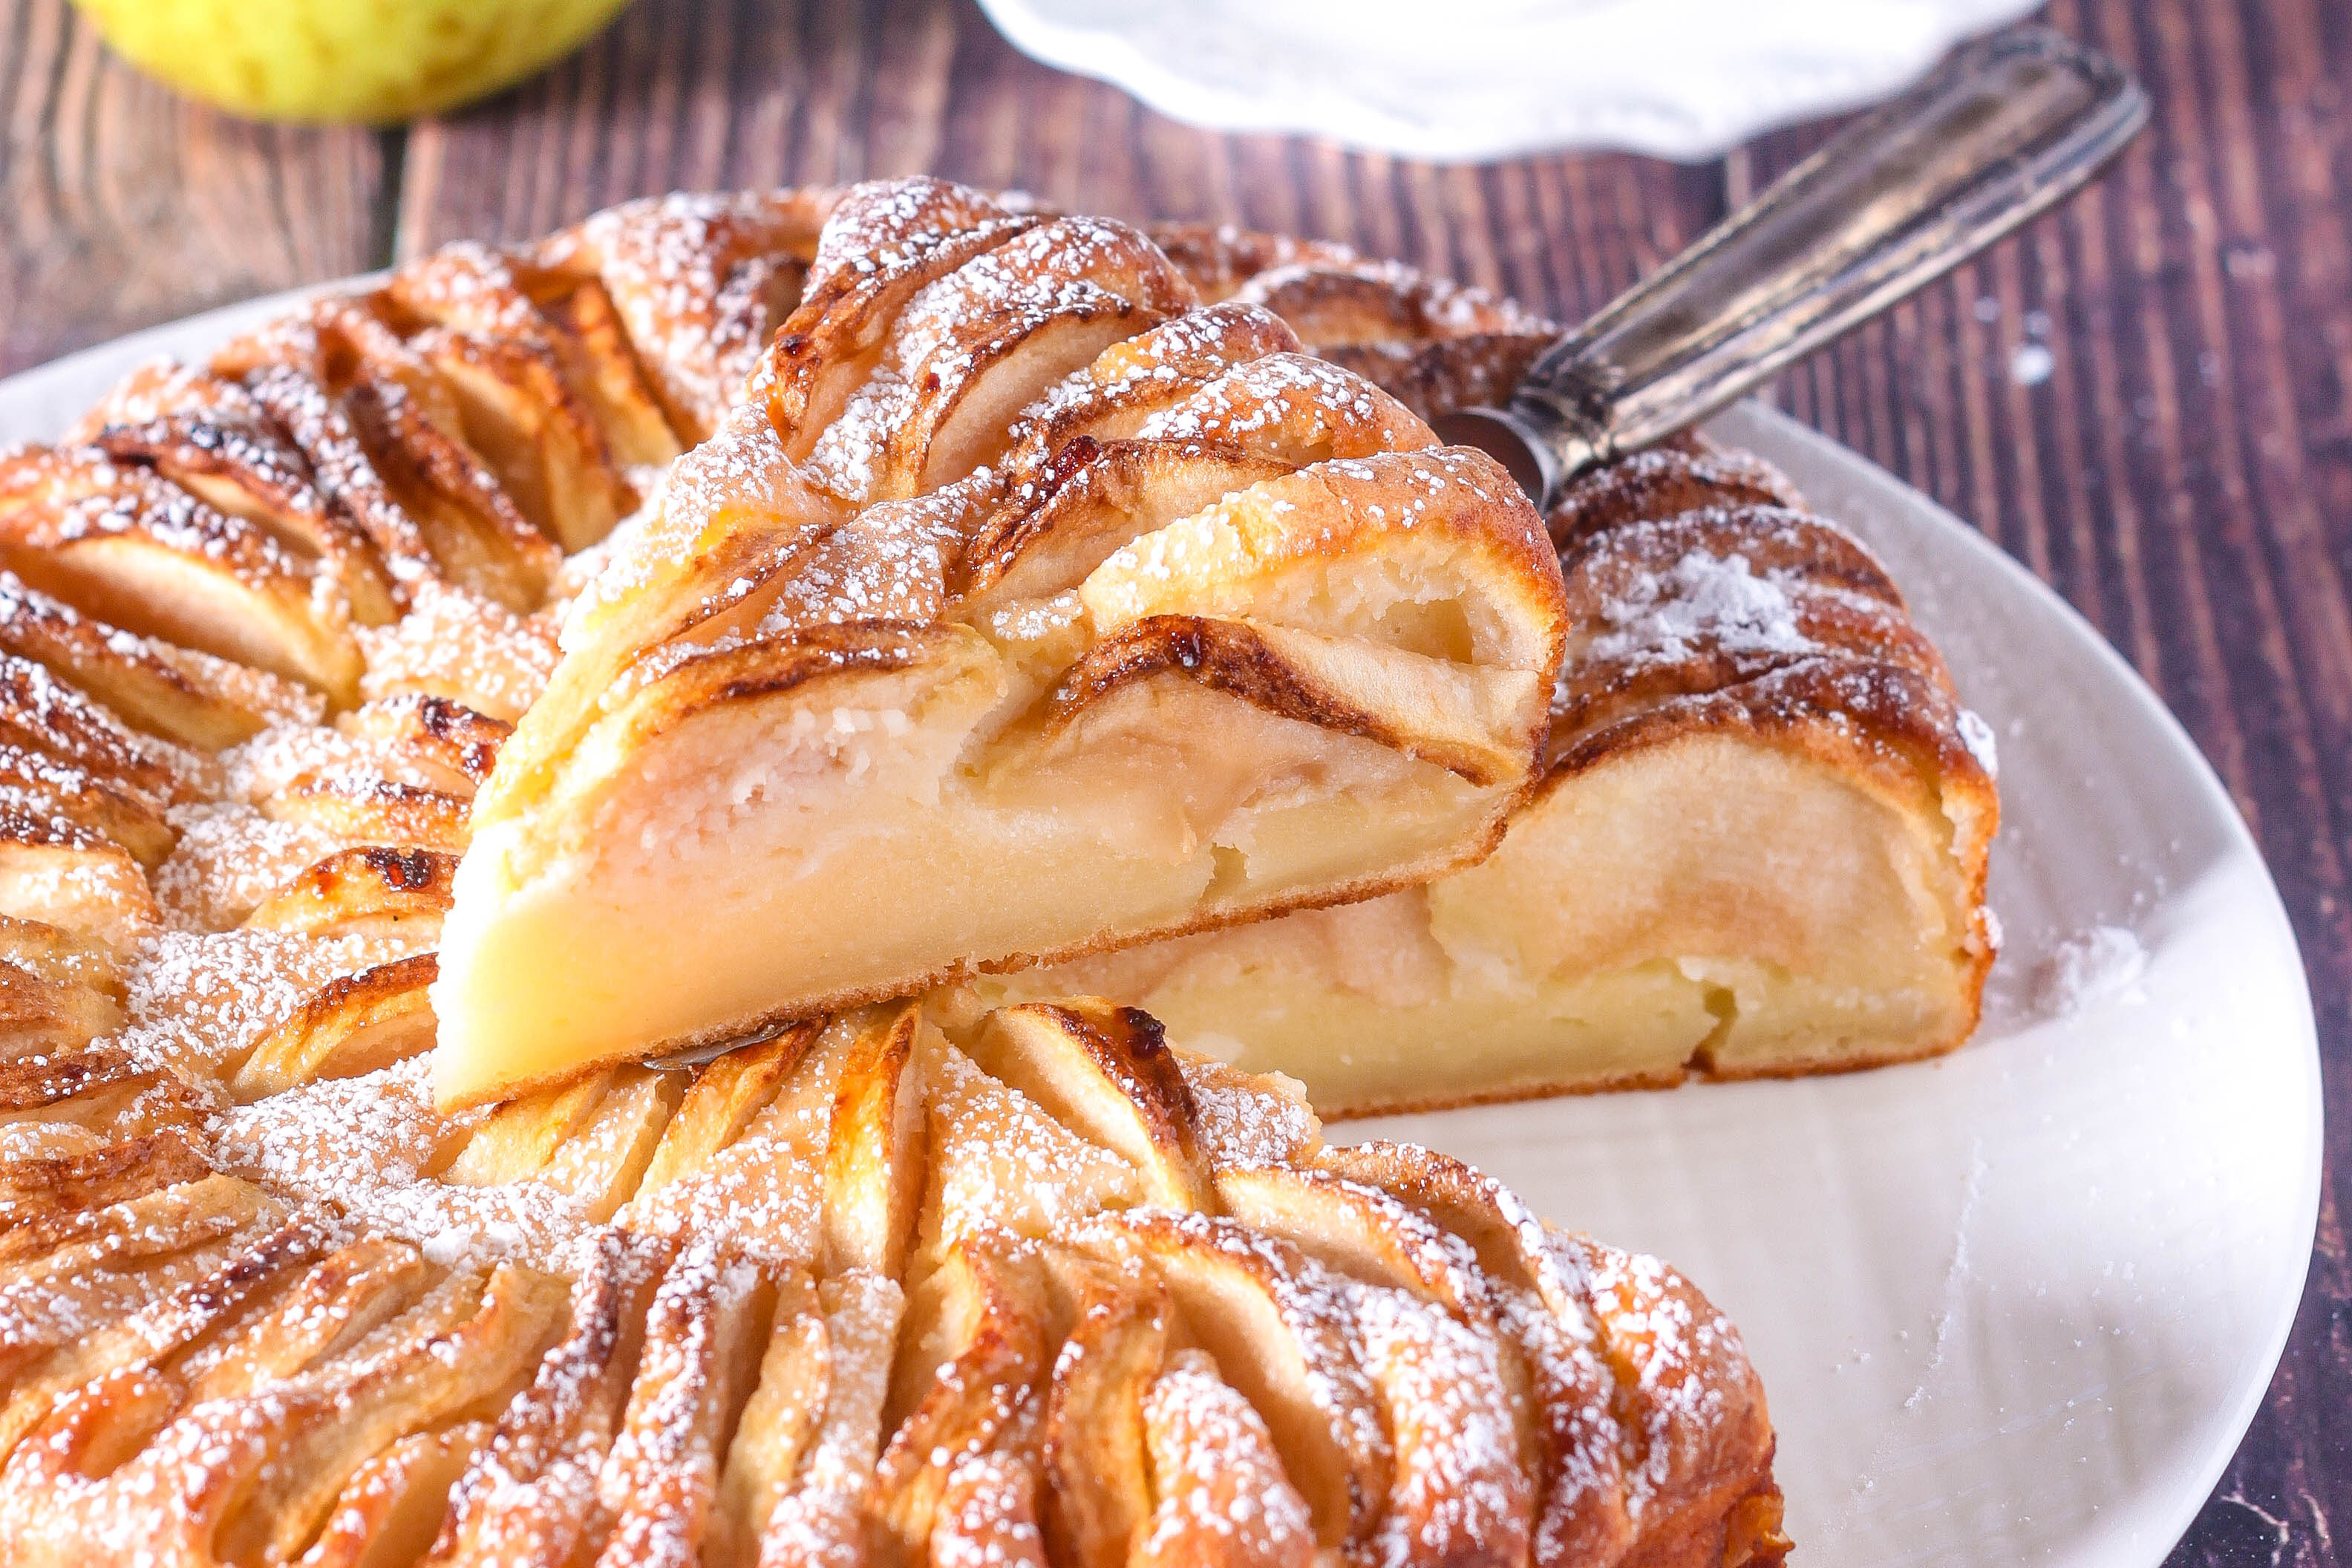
x=1467, y=79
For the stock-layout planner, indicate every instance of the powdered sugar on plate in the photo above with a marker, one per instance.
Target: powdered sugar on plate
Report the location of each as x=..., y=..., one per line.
x=2104, y=963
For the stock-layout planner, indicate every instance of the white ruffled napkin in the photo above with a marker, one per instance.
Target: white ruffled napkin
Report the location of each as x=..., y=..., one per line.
x=1467, y=79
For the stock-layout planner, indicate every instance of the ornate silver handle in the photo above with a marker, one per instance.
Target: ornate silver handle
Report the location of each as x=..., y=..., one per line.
x=2001, y=131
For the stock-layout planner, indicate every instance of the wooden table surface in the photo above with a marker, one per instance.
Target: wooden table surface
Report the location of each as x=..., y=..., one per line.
x=2183, y=473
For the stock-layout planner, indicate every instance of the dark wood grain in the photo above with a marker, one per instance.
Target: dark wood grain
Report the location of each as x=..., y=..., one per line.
x=125, y=205
x=2183, y=473
x=714, y=93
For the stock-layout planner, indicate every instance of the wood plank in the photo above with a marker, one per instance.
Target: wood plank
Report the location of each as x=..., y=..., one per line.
x=128, y=206
x=716, y=93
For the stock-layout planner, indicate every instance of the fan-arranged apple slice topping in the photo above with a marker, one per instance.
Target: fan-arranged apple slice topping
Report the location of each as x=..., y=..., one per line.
x=895, y=1287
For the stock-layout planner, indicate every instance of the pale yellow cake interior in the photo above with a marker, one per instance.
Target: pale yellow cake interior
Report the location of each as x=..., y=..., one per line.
x=1713, y=904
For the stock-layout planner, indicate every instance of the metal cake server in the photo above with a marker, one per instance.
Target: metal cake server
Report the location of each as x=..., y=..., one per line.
x=2004, y=130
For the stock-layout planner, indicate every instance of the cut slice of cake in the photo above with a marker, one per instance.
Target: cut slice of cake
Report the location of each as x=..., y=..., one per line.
x=1027, y=609
x=1758, y=846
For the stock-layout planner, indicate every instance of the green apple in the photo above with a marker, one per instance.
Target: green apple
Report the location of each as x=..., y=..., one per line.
x=373, y=61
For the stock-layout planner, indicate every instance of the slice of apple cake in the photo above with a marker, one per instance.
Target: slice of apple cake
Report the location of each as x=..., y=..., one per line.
x=1757, y=846
x=1026, y=608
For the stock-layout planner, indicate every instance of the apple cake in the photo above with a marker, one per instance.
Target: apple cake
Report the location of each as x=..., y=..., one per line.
x=903, y=1283
x=396, y=497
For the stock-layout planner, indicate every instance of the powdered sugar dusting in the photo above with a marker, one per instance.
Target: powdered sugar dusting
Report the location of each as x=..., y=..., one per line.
x=1702, y=601
x=2104, y=963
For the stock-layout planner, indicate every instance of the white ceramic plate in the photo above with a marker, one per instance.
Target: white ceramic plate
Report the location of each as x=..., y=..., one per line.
x=1490, y=79
x=2017, y=1305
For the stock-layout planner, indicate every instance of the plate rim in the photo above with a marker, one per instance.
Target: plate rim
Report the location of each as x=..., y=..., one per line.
x=188, y=334
x=2248, y=1395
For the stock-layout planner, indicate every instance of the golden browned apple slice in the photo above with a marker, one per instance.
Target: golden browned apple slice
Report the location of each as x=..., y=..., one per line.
x=536, y=433
x=52, y=1248
x=1696, y=1464
x=1462, y=1491
x=1130, y=382
x=764, y=1181
x=319, y=1312
x=721, y=1102
x=1358, y=304
x=143, y=1313
x=701, y=281
x=386, y=435
x=37, y=1187
x=602, y=365
x=660, y=1479
x=209, y=435
x=461, y=1352
x=354, y=1023
x=1104, y=1073
x=390, y=1509
x=1224, y=1501
x=603, y=1161
x=1278, y=1324
x=70, y=1292
x=978, y=344
x=1130, y=488
x=64, y=793
x=881, y=247
x=1357, y=1228
x=62, y=992
x=777, y=1426
x=972, y=1362
x=66, y=876
x=875, y=1162
x=175, y=693
x=367, y=806
x=1000, y=1162
x=988, y=1514
x=825, y=1518
x=122, y=545
x=99, y=1089
x=370, y=890
x=529, y=1495
x=43, y=717
x=1094, y=1449
x=47, y=1322
x=423, y=731
x=521, y=1136
x=522, y=390
x=1611, y=1338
